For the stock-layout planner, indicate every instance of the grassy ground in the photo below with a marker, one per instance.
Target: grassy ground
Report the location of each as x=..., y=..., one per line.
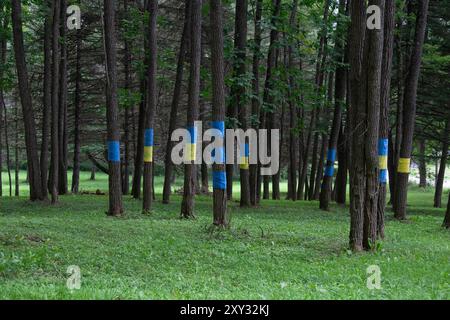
x=282, y=250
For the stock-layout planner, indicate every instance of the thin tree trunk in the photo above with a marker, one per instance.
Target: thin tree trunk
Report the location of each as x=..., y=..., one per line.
x=36, y=192
x=54, y=162
x=342, y=173
x=386, y=70
x=239, y=98
x=190, y=172
x=62, y=114
x=409, y=112
x=443, y=164
x=151, y=106
x=16, y=152
x=220, y=213
x=47, y=103
x=128, y=109
x=77, y=124
x=446, y=223
x=339, y=103
x=139, y=151
x=254, y=185
x=112, y=111
x=422, y=164
x=269, y=98
x=168, y=172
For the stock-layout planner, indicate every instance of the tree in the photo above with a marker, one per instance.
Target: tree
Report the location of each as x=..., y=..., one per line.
x=221, y=218
x=62, y=112
x=54, y=162
x=190, y=172
x=340, y=90
x=443, y=164
x=356, y=123
x=409, y=112
x=293, y=122
x=386, y=70
x=168, y=165
x=446, y=223
x=34, y=170
x=254, y=174
x=151, y=106
x=112, y=110
x=374, y=68
x=77, y=114
x=240, y=95
x=47, y=97
x=128, y=106
x=269, y=99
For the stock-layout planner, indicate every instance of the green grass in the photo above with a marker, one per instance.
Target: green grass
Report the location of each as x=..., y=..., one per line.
x=282, y=250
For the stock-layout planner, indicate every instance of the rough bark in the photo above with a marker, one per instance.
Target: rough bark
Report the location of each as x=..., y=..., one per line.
x=375, y=42
x=386, y=70
x=151, y=99
x=77, y=113
x=269, y=98
x=112, y=110
x=35, y=181
x=47, y=99
x=62, y=114
x=409, y=108
x=54, y=159
x=240, y=92
x=190, y=172
x=168, y=172
x=128, y=110
x=339, y=103
x=220, y=214
x=357, y=124
x=255, y=100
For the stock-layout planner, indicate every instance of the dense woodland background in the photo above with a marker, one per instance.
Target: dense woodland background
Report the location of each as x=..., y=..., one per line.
x=309, y=67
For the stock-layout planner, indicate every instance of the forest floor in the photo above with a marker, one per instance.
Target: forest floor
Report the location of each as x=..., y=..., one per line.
x=282, y=250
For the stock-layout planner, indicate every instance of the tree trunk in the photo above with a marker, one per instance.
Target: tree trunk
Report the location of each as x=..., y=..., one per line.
x=255, y=100
x=62, y=114
x=386, y=70
x=190, y=172
x=168, y=172
x=139, y=151
x=128, y=108
x=77, y=141
x=220, y=213
x=357, y=124
x=269, y=98
x=342, y=173
x=151, y=106
x=375, y=41
x=443, y=164
x=409, y=112
x=422, y=164
x=446, y=223
x=112, y=111
x=54, y=162
x=47, y=102
x=36, y=192
x=339, y=98
x=239, y=99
